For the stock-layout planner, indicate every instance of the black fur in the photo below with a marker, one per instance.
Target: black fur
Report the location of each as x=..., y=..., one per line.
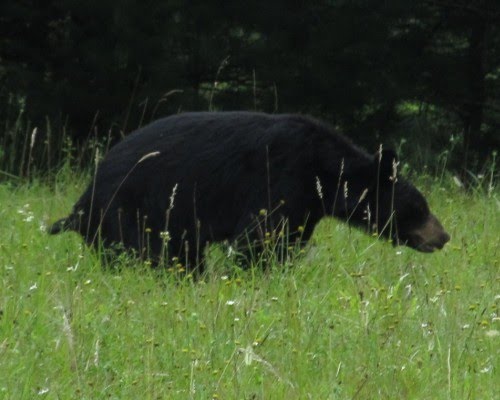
x=227, y=167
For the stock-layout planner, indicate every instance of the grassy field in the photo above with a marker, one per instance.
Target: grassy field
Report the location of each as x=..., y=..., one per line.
x=354, y=318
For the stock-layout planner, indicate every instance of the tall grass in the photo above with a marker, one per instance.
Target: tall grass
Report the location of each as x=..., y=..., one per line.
x=347, y=317
x=28, y=151
x=352, y=317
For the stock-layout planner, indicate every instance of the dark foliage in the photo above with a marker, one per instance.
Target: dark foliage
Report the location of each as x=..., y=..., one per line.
x=371, y=67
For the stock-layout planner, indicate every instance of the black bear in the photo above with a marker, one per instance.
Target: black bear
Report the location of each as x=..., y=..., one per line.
x=191, y=179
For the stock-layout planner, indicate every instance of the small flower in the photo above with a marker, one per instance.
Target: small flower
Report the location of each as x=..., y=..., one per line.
x=165, y=236
x=486, y=369
x=492, y=333
x=230, y=303
x=73, y=268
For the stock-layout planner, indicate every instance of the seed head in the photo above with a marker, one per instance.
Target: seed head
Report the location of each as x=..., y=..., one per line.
x=149, y=155
x=319, y=188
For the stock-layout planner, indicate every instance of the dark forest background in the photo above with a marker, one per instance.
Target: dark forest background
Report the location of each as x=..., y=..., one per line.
x=421, y=76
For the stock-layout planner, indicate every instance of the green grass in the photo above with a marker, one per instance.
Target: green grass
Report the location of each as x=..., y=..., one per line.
x=354, y=318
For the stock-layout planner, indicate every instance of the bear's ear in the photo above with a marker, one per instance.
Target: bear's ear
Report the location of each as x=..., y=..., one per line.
x=385, y=163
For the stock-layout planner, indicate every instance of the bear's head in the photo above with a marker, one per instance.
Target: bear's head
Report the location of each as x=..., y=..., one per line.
x=400, y=211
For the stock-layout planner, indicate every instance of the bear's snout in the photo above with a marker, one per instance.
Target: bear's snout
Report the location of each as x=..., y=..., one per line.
x=429, y=237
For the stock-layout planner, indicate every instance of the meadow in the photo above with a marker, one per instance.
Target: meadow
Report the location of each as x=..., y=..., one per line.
x=352, y=318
